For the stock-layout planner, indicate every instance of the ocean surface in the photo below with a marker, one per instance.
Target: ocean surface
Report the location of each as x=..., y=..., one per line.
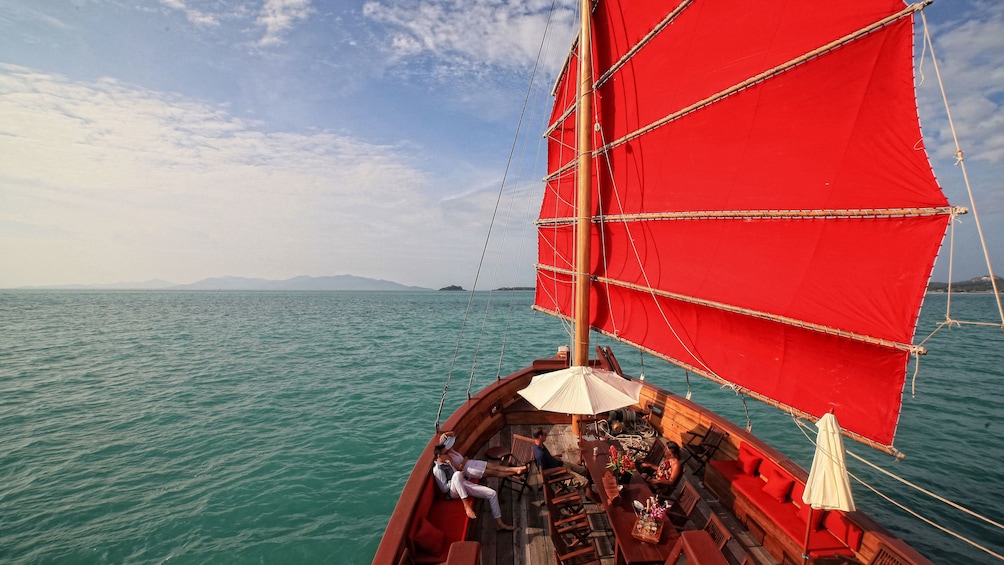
x=259, y=427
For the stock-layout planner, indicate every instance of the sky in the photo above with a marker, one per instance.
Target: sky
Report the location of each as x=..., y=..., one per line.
x=185, y=139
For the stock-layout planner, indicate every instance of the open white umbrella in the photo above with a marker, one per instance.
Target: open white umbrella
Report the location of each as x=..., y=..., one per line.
x=828, y=487
x=581, y=390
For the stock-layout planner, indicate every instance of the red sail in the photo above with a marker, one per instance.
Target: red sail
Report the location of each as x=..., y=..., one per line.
x=764, y=210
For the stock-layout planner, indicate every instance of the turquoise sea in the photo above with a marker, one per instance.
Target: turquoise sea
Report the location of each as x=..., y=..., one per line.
x=257, y=427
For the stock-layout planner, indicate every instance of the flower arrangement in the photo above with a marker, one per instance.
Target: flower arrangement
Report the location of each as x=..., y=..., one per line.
x=620, y=462
x=654, y=510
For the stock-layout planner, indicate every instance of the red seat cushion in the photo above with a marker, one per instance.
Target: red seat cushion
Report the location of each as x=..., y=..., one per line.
x=779, y=486
x=429, y=538
x=749, y=460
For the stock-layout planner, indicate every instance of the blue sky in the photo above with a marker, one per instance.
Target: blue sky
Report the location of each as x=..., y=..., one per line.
x=187, y=139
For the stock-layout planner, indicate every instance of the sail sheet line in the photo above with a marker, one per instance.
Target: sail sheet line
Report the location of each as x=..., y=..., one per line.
x=793, y=322
x=908, y=11
x=768, y=214
x=642, y=43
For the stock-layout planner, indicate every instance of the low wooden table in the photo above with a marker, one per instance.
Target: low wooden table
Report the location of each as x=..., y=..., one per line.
x=622, y=517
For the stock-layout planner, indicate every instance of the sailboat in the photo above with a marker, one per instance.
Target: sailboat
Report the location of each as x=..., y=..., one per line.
x=740, y=189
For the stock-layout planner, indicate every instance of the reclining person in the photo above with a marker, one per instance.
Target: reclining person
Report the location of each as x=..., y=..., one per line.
x=476, y=468
x=452, y=483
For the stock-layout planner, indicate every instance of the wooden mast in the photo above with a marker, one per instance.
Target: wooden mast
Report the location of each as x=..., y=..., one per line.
x=584, y=224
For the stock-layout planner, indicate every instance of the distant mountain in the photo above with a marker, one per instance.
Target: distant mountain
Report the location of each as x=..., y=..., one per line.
x=339, y=282
x=978, y=284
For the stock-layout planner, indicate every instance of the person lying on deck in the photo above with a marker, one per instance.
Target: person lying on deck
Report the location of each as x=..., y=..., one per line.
x=476, y=468
x=452, y=483
x=547, y=461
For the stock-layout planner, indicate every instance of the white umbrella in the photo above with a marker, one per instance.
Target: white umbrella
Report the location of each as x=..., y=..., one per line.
x=828, y=487
x=581, y=390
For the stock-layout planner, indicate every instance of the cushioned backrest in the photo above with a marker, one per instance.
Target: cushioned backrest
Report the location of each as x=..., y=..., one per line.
x=749, y=459
x=424, y=503
x=767, y=467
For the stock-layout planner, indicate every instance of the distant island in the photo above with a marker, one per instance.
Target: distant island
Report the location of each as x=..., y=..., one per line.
x=453, y=288
x=978, y=284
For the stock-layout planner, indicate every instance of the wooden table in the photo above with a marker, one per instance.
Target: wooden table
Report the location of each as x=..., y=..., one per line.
x=622, y=516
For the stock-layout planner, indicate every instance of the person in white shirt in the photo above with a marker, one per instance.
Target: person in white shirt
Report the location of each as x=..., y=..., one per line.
x=452, y=483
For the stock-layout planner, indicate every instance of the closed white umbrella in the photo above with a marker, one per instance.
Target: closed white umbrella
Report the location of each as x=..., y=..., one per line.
x=828, y=487
x=581, y=390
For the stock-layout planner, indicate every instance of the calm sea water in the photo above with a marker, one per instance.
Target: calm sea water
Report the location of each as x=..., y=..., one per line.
x=229, y=427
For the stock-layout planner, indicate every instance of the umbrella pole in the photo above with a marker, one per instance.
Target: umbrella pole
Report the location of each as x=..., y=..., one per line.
x=808, y=531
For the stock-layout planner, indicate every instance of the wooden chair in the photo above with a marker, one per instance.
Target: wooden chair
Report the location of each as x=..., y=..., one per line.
x=718, y=532
x=566, y=503
x=679, y=513
x=557, y=481
x=565, y=555
x=705, y=449
x=655, y=455
x=520, y=454
x=574, y=528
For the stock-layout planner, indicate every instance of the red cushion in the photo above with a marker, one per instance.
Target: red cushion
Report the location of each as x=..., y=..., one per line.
x=429, y=538
x=749, y=460
x=817, y=516
x=778, y=486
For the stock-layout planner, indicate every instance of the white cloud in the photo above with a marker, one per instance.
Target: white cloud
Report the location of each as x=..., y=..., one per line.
x=194, y=16
x=278, y=17
x=103, y=182
x=467, y=34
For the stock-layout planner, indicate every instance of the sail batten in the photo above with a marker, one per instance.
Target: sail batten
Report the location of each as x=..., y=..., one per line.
x=908, y=347
x=787, y=65
x=768, y=214
x=763, y=208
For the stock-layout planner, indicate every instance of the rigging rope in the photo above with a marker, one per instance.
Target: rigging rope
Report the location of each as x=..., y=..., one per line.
x=802, y=427
x=491, y=225
x=960, y=162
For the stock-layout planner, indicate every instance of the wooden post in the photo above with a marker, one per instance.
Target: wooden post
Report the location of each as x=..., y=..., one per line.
x=584, y=197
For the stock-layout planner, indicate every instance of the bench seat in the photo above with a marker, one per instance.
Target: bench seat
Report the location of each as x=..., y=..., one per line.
x=760, y=489
x=438, y=523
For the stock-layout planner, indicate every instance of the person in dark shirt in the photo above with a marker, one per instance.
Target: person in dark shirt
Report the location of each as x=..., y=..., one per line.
x=547, y=461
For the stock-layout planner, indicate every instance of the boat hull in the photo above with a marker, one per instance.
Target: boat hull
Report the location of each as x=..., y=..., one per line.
x=498, y=405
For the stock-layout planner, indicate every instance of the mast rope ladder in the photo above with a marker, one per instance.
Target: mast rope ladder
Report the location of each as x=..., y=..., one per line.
x=802, y=427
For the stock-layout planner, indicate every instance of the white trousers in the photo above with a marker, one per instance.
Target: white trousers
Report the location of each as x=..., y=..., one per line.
x=462, y=488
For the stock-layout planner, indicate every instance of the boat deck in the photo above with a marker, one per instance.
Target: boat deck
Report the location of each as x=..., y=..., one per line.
x=531, y=544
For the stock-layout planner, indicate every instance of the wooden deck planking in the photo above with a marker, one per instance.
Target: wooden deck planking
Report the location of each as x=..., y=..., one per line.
x=530, y=544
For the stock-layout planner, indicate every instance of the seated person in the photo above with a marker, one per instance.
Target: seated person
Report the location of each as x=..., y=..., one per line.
x=547, y=461
x=666, y=475
x=476, y=468
x=452, y=483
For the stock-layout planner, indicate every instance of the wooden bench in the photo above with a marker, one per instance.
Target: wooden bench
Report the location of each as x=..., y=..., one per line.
x=768, y=499
x=438, y=524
